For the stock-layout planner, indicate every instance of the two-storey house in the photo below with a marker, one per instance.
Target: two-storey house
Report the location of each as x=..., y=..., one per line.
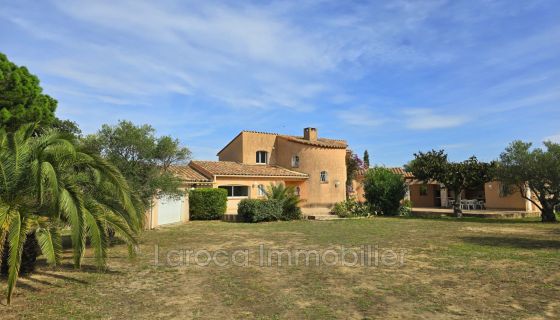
x=252, y=161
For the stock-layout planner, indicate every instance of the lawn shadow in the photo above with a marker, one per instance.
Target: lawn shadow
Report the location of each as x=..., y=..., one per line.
x=57, y=276
x=27, y=287
x=32, y=279
x=68, y=267
x=513, y=242
x=531, y=220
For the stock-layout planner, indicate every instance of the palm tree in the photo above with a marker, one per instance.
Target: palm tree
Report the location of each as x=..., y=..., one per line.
x=48, y=183
x=289, y=199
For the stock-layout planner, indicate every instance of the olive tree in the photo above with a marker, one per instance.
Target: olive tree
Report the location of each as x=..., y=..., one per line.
x=455, y=176
x=142, y=157
x=533, y=172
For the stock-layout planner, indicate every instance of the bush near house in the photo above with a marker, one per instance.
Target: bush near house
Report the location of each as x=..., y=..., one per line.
x=352, y=208
x=287, y=196
x=259, y=210
x=207, y=203
x=384, y=190
x=406, y=208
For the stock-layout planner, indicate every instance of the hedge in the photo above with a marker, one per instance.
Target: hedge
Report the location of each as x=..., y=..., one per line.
x=384, y=190
x=207, y=203
x=259, y=210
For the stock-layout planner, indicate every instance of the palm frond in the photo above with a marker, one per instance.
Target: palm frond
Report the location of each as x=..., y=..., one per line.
x=98, y=238
x=71, y=206
x=50, y=242
x=16, y=239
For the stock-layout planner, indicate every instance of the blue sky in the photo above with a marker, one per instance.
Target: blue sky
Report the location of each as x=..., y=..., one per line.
x=393, y=77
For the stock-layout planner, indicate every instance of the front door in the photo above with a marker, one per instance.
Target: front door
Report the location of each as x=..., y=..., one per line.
x=437, y=196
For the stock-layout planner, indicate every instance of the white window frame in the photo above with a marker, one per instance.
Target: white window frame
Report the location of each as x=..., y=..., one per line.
x=259, y=157
x=295, y=161
x=261, y=190
x=235, y=194
x=324, y=176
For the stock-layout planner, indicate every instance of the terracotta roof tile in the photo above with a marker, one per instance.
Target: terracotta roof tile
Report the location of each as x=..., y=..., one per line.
x=188, y=174
x=320, y=142
x=397, y=170
x=402, y=172
x=230, y=168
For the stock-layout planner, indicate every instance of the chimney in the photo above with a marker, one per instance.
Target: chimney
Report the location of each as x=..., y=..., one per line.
x=310, y=134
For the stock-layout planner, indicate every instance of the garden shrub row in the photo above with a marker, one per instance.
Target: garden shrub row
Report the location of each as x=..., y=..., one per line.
x=207, y=203
x=259, y=210
x=352, y=208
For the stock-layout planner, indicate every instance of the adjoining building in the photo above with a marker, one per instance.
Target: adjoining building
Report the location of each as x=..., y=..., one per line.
x=492, y=195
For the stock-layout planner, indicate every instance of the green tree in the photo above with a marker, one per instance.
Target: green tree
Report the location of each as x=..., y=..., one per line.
x=366, y=160
x=455, y=176
x=48, y=183
x=67, y=127
x=533, y=170
x=21, y=97
x=141, y=157
x=384, y=190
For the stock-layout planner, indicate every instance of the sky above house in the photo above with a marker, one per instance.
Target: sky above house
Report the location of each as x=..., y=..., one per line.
x=392, y=77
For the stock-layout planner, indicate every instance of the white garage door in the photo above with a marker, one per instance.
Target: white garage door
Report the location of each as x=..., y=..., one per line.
x=169, y=210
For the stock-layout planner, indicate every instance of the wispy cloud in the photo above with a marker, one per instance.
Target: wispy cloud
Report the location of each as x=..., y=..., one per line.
x=204, y=69
x=425, y=119
x=553, y=138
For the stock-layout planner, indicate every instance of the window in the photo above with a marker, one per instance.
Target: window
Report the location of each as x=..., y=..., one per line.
x=262, y=157
x=505, y=190
x=295, y=161
x=324, y=177
x=236, y=191
x=298, y=191
x=423, y=190
x=261, y=191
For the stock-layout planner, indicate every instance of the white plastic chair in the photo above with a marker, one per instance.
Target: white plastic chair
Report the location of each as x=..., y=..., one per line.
x=481, y=204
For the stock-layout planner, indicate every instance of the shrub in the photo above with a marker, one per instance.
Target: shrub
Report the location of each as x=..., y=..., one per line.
x=406, y=208
x=351, y=208
x=207, y=203
x=341, y=210
x=384, y=190
x=259, y=210
x=288, y=198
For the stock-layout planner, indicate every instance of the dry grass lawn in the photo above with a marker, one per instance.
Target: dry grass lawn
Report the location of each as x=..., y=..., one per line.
x=469, y=269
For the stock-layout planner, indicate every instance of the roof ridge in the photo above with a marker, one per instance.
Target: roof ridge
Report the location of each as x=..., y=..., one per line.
x=301, y=137
x=261, y=132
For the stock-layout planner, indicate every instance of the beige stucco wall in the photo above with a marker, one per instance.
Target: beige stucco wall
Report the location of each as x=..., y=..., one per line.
x=253, y=142
x=494, y=200
x=420, y=201
x=319, y=197
x=233, y=151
